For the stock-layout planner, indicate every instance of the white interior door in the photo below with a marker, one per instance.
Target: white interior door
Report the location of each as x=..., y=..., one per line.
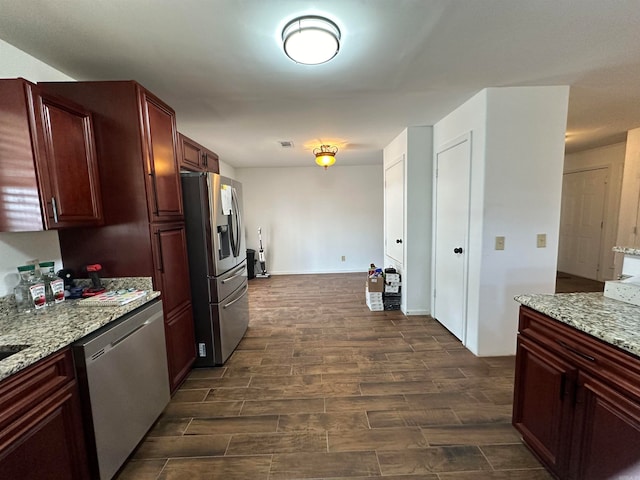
x=394, y=210
x=581, y=222
x=453, y=169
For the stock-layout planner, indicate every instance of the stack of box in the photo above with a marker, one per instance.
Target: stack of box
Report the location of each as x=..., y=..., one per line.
x=374, y=290
x=392, y=296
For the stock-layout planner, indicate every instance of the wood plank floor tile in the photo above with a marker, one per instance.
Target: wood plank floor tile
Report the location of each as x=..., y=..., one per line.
x=323, y=422
x=225, y=382
x=432, y=460
x=389, y=388
x=410, y=418
x=264, y=443
x=184, y=446
x=202, y=409
x=505, y=457
x=142, y=469
x=478, y=414
x=378, y=439
x=531, y=474
x=284, y=406
x=195, y=395
x=471, y=434
x=228, y=425
x=167, y=426
x=327, y=465
x=227, y=468
x=363, y=403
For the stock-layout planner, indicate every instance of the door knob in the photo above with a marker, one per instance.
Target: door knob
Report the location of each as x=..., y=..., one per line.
x=398, y=240
x=457, y=250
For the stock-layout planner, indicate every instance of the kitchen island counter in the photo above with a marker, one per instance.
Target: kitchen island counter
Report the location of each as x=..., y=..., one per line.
x=36, y=336
x=612, y=321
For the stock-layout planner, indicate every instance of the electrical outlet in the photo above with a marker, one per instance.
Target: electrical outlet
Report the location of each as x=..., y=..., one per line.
x=499, y=243
x=541, y=240
x=344, y=259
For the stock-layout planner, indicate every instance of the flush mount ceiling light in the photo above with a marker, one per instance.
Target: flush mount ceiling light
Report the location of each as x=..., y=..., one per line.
x=325, y=155
x=311, y=40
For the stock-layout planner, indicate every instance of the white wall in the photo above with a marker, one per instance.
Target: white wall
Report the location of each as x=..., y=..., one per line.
x=612, y=158
x=311, y=217
x=16, y=248
x=516, y=180
x=416, y=145
x=227, y=170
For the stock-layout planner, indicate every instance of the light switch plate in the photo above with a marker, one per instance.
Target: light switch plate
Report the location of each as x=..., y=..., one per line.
x=541, y=240
x=499, y=243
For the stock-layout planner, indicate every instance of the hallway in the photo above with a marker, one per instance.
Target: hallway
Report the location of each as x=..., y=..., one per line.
x=322, y=388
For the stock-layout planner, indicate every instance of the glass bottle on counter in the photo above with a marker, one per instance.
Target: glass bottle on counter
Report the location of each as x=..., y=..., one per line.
x=53, y=286
x=24, y=299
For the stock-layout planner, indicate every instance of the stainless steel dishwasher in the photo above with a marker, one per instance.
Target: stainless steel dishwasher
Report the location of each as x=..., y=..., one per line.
x=124, y=385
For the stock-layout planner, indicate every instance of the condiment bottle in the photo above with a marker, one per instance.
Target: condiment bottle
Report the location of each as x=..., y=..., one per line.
x=24, y=298
x=54, y=286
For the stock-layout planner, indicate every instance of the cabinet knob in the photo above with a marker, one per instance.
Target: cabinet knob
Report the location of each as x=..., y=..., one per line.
x=398, y=240
x=457, y=250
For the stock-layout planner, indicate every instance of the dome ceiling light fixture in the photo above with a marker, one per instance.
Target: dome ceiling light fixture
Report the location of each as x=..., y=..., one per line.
x=311, y=40
x=325, y=155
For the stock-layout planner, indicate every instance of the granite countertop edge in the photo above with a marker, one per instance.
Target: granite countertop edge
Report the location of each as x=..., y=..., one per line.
x=611, y=321
x=54, y=329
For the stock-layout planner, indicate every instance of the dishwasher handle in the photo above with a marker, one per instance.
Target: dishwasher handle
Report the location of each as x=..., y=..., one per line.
x=124, y=337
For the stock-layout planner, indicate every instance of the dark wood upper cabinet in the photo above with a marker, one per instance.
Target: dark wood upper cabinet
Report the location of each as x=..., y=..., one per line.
x=195, y=157
x=48, y=161
x=143, y=235
x=163, y=172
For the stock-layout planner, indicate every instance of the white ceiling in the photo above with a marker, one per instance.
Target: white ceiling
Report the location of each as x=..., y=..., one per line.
x=220, y=65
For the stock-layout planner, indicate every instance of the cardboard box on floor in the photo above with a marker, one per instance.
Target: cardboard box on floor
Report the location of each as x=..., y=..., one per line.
x=375, y=284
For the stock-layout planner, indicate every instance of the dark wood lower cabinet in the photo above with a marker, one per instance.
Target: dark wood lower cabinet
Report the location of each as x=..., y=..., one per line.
x=171, y=276
x=609, y=444
x=41, y=432
x=181, y=348
x=543, y=402
x=576, y=401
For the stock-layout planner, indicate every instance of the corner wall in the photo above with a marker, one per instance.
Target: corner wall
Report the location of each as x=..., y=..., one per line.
x=517, y=154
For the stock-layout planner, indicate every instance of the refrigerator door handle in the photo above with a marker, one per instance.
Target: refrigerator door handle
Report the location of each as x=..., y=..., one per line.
x=237, y=223
x=246, y=289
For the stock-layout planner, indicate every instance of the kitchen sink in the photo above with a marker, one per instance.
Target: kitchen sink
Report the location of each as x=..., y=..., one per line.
x=8, y=350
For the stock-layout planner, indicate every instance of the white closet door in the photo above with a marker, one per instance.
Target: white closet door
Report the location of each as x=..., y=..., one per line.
x=394, y=210
x=581, y=222
x=453, y=168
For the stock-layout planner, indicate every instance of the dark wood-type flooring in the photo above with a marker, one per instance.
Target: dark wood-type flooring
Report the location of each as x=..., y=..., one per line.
x=568, y=283
x=322, y=388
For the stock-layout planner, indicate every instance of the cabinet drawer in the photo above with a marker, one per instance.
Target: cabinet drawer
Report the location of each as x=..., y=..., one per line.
x=607, y=362
x=22, y=391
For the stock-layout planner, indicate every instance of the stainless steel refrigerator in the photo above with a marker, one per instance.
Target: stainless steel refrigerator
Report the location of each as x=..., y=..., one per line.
x=217, y=264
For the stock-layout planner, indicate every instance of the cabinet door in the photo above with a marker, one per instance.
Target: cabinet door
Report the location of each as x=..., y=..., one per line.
x=191, y=156
x=607, y=444
x=181, y=345
x=172, y=279
x=41, y=433
x=211, y=162
x=171, y=265
x=164, y=192
x=543, y=403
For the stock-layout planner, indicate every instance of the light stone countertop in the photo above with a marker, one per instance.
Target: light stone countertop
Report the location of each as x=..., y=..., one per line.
x=627, y=250
x=612, y=321
x=55, y=327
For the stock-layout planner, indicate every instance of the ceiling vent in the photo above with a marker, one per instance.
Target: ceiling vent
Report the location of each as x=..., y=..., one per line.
x=286, y=143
